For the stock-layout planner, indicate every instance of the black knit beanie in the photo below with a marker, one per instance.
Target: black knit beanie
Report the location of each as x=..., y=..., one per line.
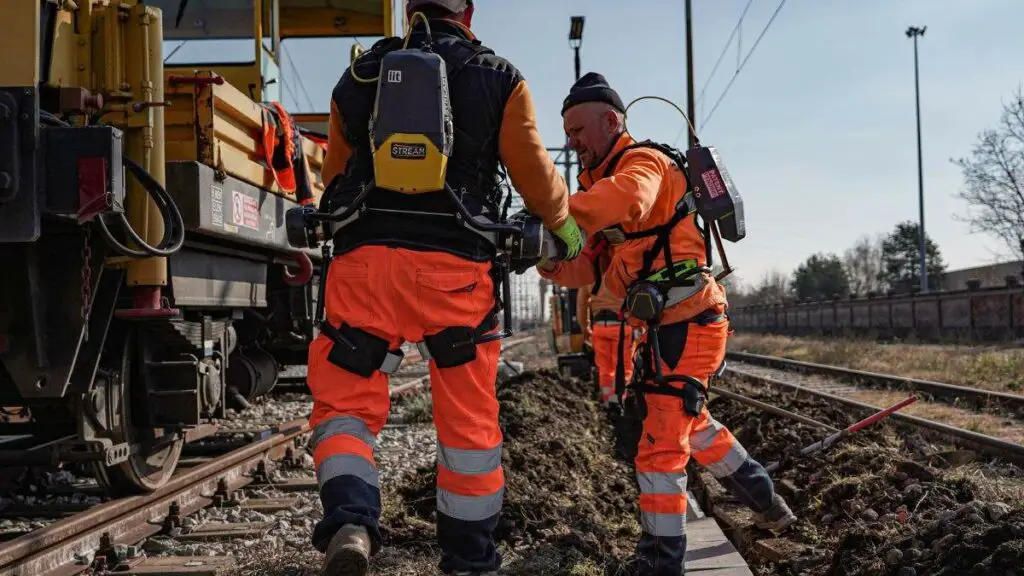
x=592, y=87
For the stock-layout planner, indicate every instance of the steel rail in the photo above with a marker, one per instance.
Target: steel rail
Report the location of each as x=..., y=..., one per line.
x=52, y=551
x=949, y=393
x=981, y=442
x=771, y=409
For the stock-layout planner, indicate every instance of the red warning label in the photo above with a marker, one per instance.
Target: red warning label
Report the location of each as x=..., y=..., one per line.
x=245, y=210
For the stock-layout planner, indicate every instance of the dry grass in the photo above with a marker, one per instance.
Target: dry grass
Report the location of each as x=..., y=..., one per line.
x=991, y=485
x=988, y=368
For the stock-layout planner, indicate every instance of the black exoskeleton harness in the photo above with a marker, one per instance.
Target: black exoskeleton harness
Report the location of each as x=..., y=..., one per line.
x=652, y=293
x=466, y=219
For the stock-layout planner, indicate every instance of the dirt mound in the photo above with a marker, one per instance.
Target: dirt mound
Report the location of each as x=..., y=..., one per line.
x=570, y=506
x=869, y=506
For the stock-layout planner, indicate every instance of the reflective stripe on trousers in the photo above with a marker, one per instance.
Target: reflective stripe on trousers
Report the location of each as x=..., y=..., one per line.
x=344, y=445
x=403, y=295
x=668, y=439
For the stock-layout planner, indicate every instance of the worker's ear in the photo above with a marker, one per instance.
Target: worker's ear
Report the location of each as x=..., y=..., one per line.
x=610, y=121
x=468, y=16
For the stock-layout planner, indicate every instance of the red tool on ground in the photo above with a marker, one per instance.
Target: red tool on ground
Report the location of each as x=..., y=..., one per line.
x=851, y=429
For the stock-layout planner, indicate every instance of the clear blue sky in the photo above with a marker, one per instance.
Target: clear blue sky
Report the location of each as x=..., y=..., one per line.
x=818, y=130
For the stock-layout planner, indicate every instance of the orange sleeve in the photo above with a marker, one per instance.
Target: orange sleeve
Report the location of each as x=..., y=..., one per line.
x=583, y=308
x=530, y=167
x=626, y=196
x=338, y=149
x=578, y=272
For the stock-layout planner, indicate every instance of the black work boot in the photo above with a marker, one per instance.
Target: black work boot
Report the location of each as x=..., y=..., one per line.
x=777, y=518
x=348, y=554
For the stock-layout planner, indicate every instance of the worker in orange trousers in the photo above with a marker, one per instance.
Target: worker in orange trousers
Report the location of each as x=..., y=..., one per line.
x=402, y=273
x=627, y=193
x=598, y=314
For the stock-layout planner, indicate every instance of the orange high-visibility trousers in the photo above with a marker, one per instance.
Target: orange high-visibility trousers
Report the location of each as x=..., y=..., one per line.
x=606, y=356
x=404, y=295
x=670, y=435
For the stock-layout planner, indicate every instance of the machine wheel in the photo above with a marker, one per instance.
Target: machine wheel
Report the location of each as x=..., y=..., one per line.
x=149, y=468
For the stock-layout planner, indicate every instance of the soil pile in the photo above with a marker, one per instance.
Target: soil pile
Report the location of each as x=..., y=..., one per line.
x=867, y=506
x=570, y=505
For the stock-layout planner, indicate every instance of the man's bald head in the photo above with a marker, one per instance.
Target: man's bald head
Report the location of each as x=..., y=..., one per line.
x=592, y=128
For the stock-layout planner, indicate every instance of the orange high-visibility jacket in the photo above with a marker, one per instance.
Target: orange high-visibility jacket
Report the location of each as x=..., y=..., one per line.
x=530, y=168
x=642, y=193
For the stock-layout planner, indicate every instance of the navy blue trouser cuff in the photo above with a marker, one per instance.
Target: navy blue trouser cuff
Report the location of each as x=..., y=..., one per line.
x=751, y=485
x=467, y=545
x=348, y=500
x=661, y=555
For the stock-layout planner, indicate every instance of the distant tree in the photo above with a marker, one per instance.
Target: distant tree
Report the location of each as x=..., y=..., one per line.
x=901, y=259
x=994, y=180
x=773, y=287
x=736, y=291
x=820, y=277
x=863, y=264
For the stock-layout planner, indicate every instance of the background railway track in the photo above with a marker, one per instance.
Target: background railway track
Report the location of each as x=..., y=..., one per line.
x=948, y=393
x=989, y=422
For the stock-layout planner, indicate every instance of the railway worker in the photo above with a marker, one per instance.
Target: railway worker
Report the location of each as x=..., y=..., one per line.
x=623, y=194
x=598, y=313
x=401, y=275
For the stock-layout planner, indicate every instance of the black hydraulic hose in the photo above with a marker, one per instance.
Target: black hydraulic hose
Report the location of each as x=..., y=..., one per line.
x=174, y=224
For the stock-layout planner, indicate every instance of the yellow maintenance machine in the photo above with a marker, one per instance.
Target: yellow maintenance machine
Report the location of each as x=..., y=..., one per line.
x=150, y=284
x=566, y=338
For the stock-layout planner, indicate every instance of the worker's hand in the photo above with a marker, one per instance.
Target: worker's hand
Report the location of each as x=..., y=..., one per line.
x=546, y=265
x=571, y=234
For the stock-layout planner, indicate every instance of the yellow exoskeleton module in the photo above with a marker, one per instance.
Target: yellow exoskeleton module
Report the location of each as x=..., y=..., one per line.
x=412, y=127
x=150, y=285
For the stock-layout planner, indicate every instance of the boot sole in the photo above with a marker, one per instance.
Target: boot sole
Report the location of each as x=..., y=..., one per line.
x=347, y=562
x=777, y=526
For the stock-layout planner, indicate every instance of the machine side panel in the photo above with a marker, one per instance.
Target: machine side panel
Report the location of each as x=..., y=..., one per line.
x=230, y=209
x=214, y=280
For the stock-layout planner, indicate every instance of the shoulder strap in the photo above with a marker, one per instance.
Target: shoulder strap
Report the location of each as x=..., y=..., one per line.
x=683, y=209
x=463, y=52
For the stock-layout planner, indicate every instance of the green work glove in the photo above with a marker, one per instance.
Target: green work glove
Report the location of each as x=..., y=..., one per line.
x=571, y=234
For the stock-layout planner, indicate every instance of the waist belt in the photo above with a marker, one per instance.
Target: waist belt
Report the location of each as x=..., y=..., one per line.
x=606, y=316
x=677, y=294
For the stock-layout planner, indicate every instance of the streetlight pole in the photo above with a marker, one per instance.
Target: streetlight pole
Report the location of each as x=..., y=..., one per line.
x=691, y=101
x=575, y=41
x=913, y=33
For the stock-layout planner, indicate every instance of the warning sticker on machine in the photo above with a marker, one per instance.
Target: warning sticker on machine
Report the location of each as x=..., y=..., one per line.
x=245, y=210
x=217, y=206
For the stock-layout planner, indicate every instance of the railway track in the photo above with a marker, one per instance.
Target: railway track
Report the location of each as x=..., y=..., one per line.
x=983, y=443
x=219, y=473
x=98, y=537
x=947, y=393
